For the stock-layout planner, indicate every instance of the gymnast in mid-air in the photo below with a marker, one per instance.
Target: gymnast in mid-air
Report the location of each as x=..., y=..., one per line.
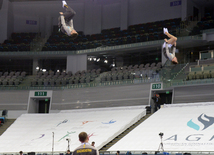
x=65, y=21
x=169, y=47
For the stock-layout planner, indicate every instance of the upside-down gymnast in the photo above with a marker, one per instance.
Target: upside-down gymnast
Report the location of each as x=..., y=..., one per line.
x=65, y=21
x=169, y=45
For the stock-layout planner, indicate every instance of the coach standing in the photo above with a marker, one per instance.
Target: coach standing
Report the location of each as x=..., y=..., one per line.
x=85, y=148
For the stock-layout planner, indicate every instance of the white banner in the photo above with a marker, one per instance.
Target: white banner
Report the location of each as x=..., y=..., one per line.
x=34, y=132
x=185, y=129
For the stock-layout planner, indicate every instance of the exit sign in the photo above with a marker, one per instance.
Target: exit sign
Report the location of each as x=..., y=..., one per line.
x=40, y=93
x=156, y=86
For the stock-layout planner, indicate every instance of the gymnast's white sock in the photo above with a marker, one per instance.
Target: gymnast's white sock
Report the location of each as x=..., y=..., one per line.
x=165, y=30
x=64, y=3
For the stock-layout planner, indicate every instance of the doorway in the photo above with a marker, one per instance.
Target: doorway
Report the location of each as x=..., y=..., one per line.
x=195, y=14
x=44, y=105
x=39, y=105
x=166, y=97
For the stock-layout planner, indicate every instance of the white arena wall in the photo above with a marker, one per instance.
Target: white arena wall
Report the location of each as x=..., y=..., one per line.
x=92, y=15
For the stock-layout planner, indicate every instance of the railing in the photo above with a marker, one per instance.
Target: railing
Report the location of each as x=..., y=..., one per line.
x=83, y=85
x=172, y=73
x=98, y=49
x=38, y=45
x=177, y=75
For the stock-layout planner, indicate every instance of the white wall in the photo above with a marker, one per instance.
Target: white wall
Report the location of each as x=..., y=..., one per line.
x=21, y=26
x=76, y=63
x=140, y=11
x=111, y=16
x=208, y=36
x=45, y=14
x=14, y=114
x=92, y=15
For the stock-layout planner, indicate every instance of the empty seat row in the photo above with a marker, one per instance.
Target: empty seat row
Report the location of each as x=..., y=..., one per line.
x=63, y=81
x=11, y=82
x=59, y=79
x=200, y=75
x=207, y=22
x=136, y=67
x=111, y=37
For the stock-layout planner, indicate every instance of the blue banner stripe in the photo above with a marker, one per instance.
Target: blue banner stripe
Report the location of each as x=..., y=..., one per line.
x=193, y=125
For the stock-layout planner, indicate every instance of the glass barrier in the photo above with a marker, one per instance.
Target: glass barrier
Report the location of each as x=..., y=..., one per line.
x=185, y=74
x=171, y=74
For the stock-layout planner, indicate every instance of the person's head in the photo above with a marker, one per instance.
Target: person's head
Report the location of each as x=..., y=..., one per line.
x=118, y=152
x=83, y=137
x=20, y=152
x=68, y=152
x=93, y=143
x=174, y=60
x=74, y=34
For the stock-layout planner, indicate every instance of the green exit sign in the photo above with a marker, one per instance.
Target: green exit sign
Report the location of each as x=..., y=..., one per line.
x=40, y=93
x=156, y=86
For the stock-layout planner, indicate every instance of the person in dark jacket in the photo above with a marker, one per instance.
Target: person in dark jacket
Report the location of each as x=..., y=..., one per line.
x=157, y=101
x=85, y=148
x=65, y=21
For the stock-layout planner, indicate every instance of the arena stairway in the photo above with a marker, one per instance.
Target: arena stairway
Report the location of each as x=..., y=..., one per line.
x=185, y=31
x=116, y=139
x=98, y=79
x=170, y=73
x=27, y=81
x=6, y=125
x=37, y=44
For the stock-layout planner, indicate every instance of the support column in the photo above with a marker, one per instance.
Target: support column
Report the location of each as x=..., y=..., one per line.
x=183, y=9
x=48, y=24
x=93, y=17
x=35, y=64
x=88, y=13
x=4, y=20
x=76, y=63
x=124, y=15
x=42, y=26
x=10, y=20
x=119, y=61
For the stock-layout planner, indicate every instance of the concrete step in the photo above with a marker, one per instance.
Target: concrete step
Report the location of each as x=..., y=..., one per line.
x=6, y=125
x=116, y=139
